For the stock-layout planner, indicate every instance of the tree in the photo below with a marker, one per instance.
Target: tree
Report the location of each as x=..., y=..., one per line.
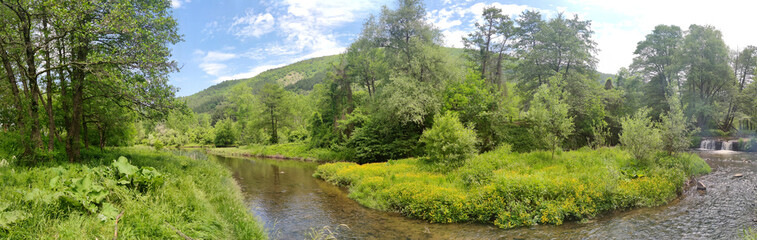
x=550, y=116
x=224, y=133
x=559, y=46
x=639, y=136
x=448, y=142
x=121, y=48
x=492, y=37
x=709, y=78
x=276, y=109
x=744, y=64
x=675, y=129
x=656, y=58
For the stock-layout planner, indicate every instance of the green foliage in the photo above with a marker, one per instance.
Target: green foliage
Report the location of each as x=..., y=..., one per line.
x=549, y=114
x=476, y=104
x=142, y=178
x=513, y=190
x=82, y=201
x=224, y=134
x=276, y=109
x=656, y=58
x=9, y=217
x=640, y=136
x=448, y=143
x=158, y=145
x=675, y=128
x=380, y=140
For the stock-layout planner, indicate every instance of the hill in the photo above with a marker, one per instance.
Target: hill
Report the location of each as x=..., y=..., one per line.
x=299, y=76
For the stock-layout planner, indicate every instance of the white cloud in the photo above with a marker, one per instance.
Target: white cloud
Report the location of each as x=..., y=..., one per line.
x=211, y=62
x=252, y=25
x=213, y=68
x=213, y=56
x=453, y=38
x=179, y=3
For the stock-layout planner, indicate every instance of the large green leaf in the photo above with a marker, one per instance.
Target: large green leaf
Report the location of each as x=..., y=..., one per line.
x=11, y=217
x=124, y=168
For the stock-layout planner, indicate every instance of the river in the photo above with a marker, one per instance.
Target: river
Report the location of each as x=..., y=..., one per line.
x=294, y=205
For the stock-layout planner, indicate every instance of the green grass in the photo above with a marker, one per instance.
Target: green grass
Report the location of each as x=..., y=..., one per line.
x=512, y=190
x=199, y=198
x=298, y=150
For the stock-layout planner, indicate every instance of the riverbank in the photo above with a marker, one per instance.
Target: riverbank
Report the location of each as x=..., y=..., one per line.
x=290, y=151
x=146, y=194
x=513, y=190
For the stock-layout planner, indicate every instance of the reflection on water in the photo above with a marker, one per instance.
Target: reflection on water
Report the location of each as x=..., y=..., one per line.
x=292, y=204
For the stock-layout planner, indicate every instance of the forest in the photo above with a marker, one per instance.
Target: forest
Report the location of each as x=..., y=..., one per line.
x=489, y=133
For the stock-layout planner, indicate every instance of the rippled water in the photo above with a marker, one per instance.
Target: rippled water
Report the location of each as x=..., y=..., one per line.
x=293, y=204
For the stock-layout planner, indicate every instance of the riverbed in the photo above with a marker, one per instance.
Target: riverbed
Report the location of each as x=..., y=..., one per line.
x=294, y=205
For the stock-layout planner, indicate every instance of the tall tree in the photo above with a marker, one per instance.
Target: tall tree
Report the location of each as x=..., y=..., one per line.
x=276, y=109
x=561, y=46
x=656, y=60
x=490, y=43
x=709, y=77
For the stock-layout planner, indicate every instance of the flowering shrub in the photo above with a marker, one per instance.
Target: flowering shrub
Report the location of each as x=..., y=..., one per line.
x=512, y=190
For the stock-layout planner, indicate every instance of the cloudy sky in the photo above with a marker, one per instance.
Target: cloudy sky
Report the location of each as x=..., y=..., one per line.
x=234, y=39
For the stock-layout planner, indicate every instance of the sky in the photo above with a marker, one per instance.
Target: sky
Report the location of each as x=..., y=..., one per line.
x=237, y=39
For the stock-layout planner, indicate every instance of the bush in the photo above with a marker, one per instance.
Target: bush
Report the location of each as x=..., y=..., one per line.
x=448, y=143
x=158, y=145
x=224, y=133
x=675, y=130
x=639, y=136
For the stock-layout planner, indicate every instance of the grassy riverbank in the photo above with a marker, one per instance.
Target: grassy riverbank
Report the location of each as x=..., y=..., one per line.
x=158, y=193
x=513, y=190
x=298, y=151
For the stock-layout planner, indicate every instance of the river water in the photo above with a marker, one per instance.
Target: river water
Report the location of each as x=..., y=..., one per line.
x=294, y=205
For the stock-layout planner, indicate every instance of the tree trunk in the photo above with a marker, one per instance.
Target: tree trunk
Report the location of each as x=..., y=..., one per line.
x=31, y=79
x=84, y=132
x=9, y=73
x=77, y=83
x=49, y=92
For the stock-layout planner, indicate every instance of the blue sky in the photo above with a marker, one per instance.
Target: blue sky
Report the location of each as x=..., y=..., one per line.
x=235, y=39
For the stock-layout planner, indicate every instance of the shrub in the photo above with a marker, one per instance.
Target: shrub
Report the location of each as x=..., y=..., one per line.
x=158, y=145
x=639, y=135
x=224, y=134
x=675, y=129
x=448, y=143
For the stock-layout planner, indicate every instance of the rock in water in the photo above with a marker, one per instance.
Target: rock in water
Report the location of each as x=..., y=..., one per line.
x=701, y=186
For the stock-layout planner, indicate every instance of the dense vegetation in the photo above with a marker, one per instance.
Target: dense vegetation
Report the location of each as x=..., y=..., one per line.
x=148, y=194
x=80, y=73
x=526, y=80
x=517, y=189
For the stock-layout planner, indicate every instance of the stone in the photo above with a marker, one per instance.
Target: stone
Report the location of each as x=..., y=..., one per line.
x=701, y=186
x=738, y=175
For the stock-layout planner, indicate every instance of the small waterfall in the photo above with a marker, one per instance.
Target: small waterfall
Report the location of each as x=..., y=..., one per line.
x=727, y=145
x=707, y=145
